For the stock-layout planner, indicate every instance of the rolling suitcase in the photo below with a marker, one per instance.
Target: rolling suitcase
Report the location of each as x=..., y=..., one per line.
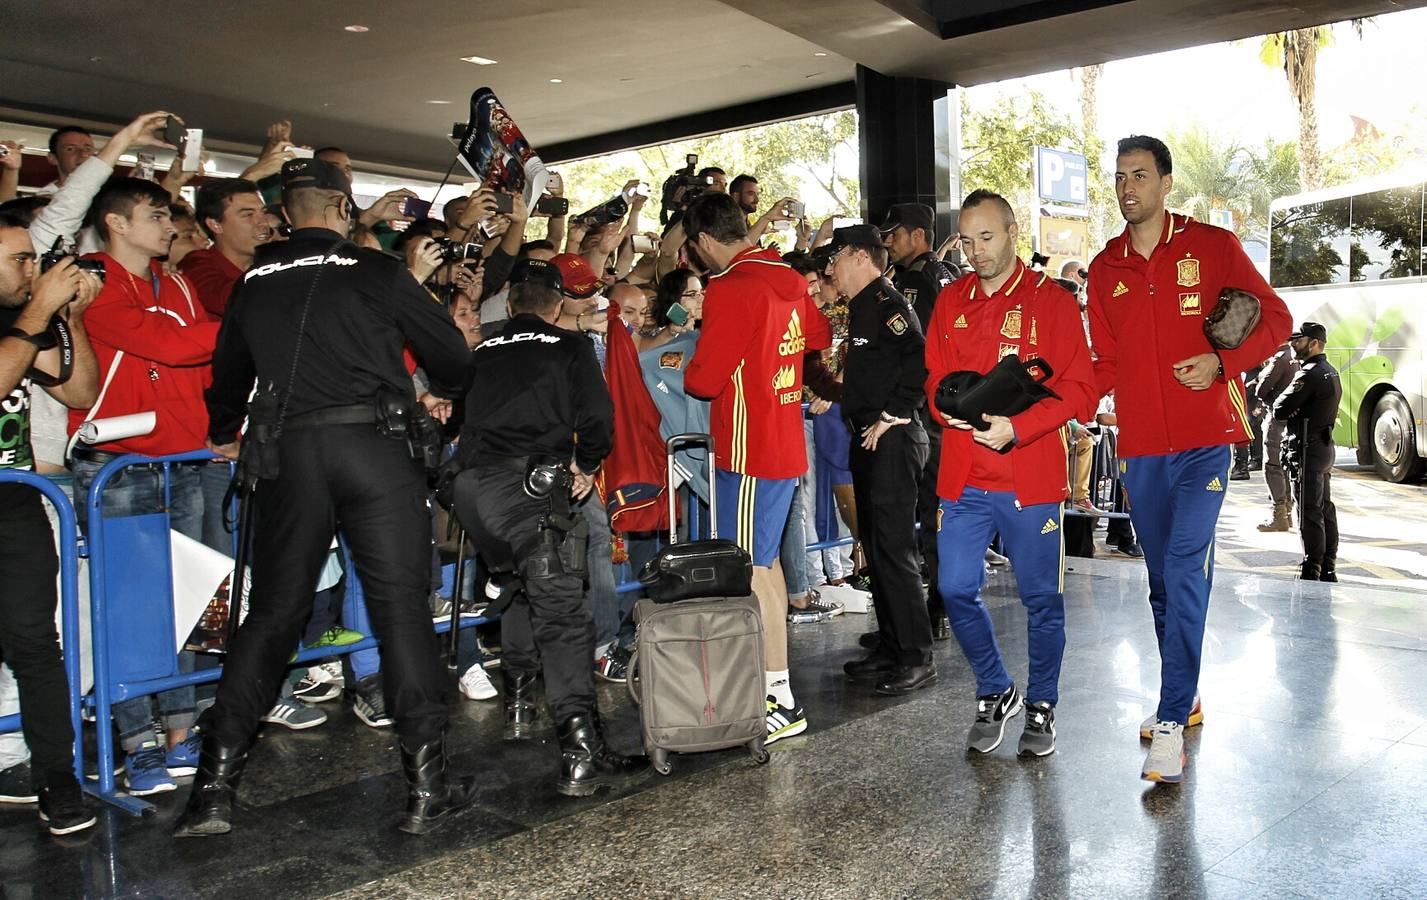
x=697, y=673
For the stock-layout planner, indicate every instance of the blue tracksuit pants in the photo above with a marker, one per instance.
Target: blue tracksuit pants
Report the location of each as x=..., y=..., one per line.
x=1174, y=504
x=1035, y=543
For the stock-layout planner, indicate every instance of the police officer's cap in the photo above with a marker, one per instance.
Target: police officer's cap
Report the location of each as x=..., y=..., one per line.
x=855, y=236
x=539, y=271
x=1311, y=330
x=909, y=216
x=314, y=173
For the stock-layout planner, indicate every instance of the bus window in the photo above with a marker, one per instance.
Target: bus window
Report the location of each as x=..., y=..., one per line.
x=1309, y=244
x=1387, y=234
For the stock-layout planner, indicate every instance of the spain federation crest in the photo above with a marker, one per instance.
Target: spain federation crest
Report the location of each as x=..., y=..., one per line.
x=1011, y=327
x=1188, y=272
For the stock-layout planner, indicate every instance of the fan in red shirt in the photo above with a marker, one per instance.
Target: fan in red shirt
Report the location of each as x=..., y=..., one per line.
x=758, y=321
x=230, y=211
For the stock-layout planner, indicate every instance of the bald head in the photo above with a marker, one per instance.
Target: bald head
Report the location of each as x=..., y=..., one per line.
x=633, y=305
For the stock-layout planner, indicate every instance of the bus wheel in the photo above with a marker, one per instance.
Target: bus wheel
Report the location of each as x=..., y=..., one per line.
x=1394, y=440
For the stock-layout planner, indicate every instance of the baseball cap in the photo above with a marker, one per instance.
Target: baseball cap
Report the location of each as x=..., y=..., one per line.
x=1312, y=330
x=909, y=215
x=865, y=236
x=314, y=173
x=577, y=275
x=539, y=271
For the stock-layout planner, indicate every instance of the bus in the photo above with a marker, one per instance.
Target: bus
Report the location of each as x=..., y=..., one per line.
x=1351, y=257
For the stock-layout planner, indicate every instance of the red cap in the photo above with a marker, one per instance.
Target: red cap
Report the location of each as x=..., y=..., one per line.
x=578, y=275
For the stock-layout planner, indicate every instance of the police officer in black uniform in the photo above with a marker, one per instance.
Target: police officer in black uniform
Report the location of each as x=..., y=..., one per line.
x=882, y=384
x=320, y=324
x=919, y=275
x=539, y=422
x=1310, y=408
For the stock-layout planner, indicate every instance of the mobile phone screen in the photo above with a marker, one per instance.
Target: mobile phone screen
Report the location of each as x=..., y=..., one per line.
x=415, y=207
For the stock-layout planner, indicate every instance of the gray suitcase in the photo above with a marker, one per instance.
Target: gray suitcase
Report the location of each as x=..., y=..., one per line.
x=697, y=672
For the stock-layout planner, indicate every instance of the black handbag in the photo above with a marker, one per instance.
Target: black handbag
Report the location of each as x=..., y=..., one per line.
x=697, y=569
x=1011, y=387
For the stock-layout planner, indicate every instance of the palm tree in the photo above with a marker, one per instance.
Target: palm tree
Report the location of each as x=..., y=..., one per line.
x=1209, y=175
x=1102, y=205
x=1297, y=52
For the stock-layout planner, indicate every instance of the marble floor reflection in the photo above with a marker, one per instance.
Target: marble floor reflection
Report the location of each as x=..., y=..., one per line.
x=1308, y=779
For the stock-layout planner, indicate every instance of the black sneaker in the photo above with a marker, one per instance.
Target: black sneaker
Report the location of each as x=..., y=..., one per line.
x=992, y=711
x=62, y=806
x=1038, y=738
x=17, y=784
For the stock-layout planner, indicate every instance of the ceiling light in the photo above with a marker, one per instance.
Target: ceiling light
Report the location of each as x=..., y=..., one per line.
x=439, y=102
x=819, y=53
x=356, y=29
x=557, y=81
x=478, y=60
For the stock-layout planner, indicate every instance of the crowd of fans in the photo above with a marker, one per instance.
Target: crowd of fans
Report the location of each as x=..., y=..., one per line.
x=173, y=249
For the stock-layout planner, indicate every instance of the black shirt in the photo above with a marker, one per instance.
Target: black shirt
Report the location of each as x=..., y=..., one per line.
x=886, y=357
x=1310, y=405
x=920, y=282
x=537, y=390
x=366, y=306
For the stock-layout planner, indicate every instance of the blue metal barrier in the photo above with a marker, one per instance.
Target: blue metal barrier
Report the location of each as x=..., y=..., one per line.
x=131, y=605
x=68, y=598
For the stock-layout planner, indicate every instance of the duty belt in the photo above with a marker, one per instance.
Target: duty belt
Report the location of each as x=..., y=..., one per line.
x=359, y=414
x=495, y=460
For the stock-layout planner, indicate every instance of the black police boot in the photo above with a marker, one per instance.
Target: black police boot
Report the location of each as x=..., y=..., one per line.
x=875, y=666
x=210, y=801
x=941, y=625
x=432, y=791
x=520, y=708
x=1329, y=570
x=586, y=762
x=1312, y=569
x=1240, y=472
x=870, y=640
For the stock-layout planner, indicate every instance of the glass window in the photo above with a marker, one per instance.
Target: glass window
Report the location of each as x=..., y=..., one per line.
x=1387, y=234
x=1308, y=244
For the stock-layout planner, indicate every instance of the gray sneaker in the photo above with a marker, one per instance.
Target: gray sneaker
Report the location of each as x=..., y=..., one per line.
x=1165, y=762
x=290, y=712
x=992, y=711
x=369, y=704
x=1038, y=738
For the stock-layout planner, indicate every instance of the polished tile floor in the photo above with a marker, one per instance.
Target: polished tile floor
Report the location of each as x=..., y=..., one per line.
x=1308, y=779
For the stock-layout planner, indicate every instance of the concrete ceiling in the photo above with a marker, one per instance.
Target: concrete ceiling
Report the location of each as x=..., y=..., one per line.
x=232, y=68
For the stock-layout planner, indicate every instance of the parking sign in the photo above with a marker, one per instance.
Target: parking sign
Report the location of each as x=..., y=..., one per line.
x=1061, y=176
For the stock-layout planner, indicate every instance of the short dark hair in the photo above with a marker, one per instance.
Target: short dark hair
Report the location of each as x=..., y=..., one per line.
x=446, y=207
x=711, y=170
x=737, y=184
x=1163, y=162
x=213, y=199
x=321, y=150
x=181, y=211
x=13, y=218
x=670, y=291
x=981, y=196
x=26, y=207
x=64, y=130
x=526, y=247
x=717, y=215
x=421, y=228
x=119, y=196
x=801, y=262
x=533, y=297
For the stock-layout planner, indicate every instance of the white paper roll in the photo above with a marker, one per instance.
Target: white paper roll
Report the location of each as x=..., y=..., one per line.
x=102, y=431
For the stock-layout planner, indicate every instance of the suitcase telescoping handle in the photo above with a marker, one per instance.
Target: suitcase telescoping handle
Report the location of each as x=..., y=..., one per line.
x=672, y=445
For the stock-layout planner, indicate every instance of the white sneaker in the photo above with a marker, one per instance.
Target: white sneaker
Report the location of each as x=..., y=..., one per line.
x=1196, y=717
x=476, y=685
x=327, y=673
x=1166, y=759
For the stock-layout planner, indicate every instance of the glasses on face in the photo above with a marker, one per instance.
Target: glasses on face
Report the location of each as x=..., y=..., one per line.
x=689, y=295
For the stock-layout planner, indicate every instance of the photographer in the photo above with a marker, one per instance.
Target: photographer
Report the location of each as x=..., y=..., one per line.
x=744, y=191
x=29, y=643
x=339, y=450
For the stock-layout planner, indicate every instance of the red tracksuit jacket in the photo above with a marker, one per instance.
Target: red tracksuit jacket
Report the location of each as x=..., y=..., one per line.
x=1148, y=314
x=758, y=321
x=1030, y=316
x=167, y=343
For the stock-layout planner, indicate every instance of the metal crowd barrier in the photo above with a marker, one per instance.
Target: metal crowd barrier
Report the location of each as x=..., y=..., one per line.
x=1105, y=491
x=68, y=598
x=131, y=603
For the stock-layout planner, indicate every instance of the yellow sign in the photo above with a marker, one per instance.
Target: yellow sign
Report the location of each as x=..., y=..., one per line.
x=1188, y=271
x=1062, y=239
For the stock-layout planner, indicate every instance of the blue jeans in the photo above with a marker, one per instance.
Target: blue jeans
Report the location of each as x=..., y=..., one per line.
x=794, y=550
x=1034, y=542
x=1174, y=504
x=608, y=608
x=138, y=491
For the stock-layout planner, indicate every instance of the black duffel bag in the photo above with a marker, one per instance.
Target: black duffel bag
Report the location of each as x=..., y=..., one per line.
x=696, y=570
x=1011, y=387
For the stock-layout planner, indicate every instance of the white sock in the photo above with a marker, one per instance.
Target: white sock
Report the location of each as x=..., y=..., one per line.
x=780, y=689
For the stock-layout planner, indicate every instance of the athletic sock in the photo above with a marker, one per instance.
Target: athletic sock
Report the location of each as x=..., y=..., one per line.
x=780, y=689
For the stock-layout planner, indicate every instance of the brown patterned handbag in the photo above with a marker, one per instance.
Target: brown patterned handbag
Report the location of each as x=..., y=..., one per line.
x=1232, y=320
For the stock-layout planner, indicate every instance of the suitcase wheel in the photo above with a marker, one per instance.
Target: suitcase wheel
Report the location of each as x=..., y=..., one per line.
x=759, y=755
x=663, y=767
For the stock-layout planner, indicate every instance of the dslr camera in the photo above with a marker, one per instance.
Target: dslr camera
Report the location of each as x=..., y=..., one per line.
x=456, y=251
x=59, y=251
x=681, y=189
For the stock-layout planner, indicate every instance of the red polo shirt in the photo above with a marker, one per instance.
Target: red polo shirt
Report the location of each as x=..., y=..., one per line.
x=1030, y=316
x=1148, y=314
x=214, y=275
